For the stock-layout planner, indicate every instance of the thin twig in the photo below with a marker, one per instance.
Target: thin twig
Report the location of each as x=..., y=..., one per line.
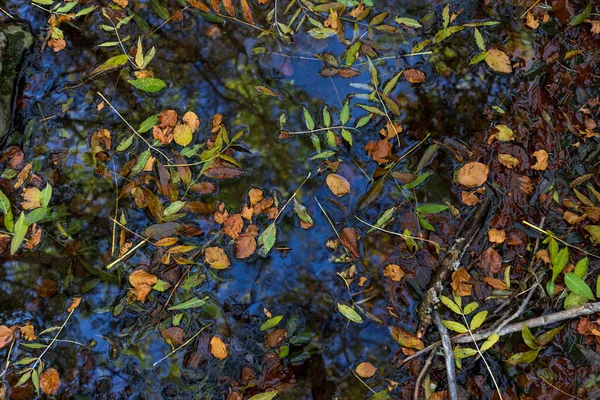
x=422, y=374
x=448, y=355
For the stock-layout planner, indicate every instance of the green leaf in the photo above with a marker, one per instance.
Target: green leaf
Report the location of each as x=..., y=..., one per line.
x=35, y=379
x=110, y=64
x=265, y=396
x=150, y=85
x=373, y=73
x=447, y=32
x=24, y=378
x=478, y=319
x=417, y=181
x=33, y=345
x=85, y=11
x=578, y=286
x=46, y=195
x=351, y=54
x=426, y=224
x=330, y=139
x=321, y=33
x=192, y=303
x=65, y=9
x=7, y=211
x=385, y=217
x=371, y=109
x=124, y=145
x=301, y=212
x=36, y=215
x=479, y=39
x=271, y=323
x=411, y=23
x=148, y=123
x=580, y=18
x=450, y=304
x=463, y=352
x=547, y=337
x=477, y=58
x=391, y=84
x=455, y=326
x=26, y=360
x=431, y=208
x=349, y=313
x=523, y=358
x=594, y=231
x=347, y=136
x=326, y=117
x=20, y=229
x=308, y=119
x=266, y=240
x=469, y=308
x=362, y=121
x=161, y=286
x=489, y=342
x=559, y=262
x=529, y=339
x=581, y=268
x=174, y=208
x=552, y=250
x=345, y=113
x=574, y=300
x=323, y=154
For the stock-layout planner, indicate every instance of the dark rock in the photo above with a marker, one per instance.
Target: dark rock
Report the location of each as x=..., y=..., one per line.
x=16, y=42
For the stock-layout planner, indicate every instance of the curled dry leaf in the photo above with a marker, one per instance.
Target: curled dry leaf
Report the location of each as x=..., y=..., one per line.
x=531, y=21
x=366, y=369
x=496, y=235
x=349, y=239
x=498, y=61
x=233, y=226
x=6, y=336
x=74, y=303
x=394, y=272
x=28, y=332
x=507, y=160
x=142, y=283
x=541, y=157
x=218, y=348
x=473, y=174
x=414, y=75
x=338, y=185
x=217, y=258
x=50, y=381
x=460, y=282
x=191, y=119
x=469, y=198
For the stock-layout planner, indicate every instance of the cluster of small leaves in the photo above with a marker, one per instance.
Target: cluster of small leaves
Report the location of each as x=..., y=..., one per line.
x=535, y=344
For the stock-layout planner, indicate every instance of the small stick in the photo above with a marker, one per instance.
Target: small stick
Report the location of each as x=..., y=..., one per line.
x=422, y=374
x=448, y=355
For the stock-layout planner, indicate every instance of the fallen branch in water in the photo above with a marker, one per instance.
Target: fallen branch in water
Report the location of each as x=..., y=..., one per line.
x=448, y=356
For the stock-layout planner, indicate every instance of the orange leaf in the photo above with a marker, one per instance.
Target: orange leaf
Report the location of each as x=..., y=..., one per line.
x=6, y=336
x=247, y=12
x=50, y=381
x=366, y=369
x=473, y=174
x=495, y=283
x=406, y=339
x=74, y=303
x=460, y=282
x=394, y=272
x=28, y=332
x=338, y=185
x=218, y=348
x=217, y=258
x=541, y=157
x=229, y=7
x=414, y=75
x=233, y=226
x=496, y=235
x=245, y=246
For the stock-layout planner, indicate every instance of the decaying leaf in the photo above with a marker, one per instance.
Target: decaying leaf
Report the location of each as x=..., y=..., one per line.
x=469, y=198
x=541, y=157
x=338, y=185
x=28, y=332
x=50, y=381
x=272, y=339
x=349, y=239
x=473, y=174
x=365, y=369
x=496, y=235
x=507, y=160
x=498, y=61
x=245, y=246
x=394, y=272
x=233, y=225
x=491, y=261
x=142, y=283
x=218, y=348
x=6, y=336
x=173, y=335
x=217, y=258
x=414, y=75
x=74, y=303
x=379, y=151
x=406, y=339
x=460, y=282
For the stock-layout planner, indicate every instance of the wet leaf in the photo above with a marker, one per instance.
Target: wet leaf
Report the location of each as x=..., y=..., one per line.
x=338, y=185
x=445, y=33
x=308, y=120
x=110, y=64
x=581, y=17
x=267, y=238
x=460, y=282
x=412, y=23
x=508, y=160
x=349, y=239
x=349, y=313
x=6, y=336
x=150, y=85
x=192, y=303
x=365, y=369
x=245, y=246
x=491, y=261
x=473, y=174
x=578, y=286
x=217, y=258
x=498, y=61
x=142, y=283
x=414, y=76
x=7, y=212
x=50, y=381
x=270, y=395
x=504, y=133
x=182, y=134
x=218, y=348
x=406, y=339
x=271, y=323
x=496, y=236
x=394, y=272
x=20, y=230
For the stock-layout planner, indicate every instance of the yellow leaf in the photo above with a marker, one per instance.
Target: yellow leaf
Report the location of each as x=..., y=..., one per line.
x=366, y=370
x=541, y=157
x=217, y=258
x=507, y=160
x=498, y=61
x=338, y=185
x=182, y=134
x=218, y=348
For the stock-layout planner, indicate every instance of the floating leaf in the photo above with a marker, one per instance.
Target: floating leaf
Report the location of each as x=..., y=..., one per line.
x=217, y=258
x=412, y=23
x=50, y=381
x=267, y=238
x=150, y=85
x=498, y=61
x=406, y=339
x=473, y=174
x=523, y=358
x=7, y=211
x=218, y=348
x=365, y=369
x=349, y=313
x=270, y=395
x=20, y=230
x=271, y=323
x=110, y=64
x=192, y=303
x=338, y=185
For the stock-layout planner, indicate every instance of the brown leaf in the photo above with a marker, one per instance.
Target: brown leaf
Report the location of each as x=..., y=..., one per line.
x=460, y=282
x=204, y=188
x=245, y=246
x=379, y=151
x=32, y=198
x=498, y=61
x=74, y=303
x=233, y=226
x=491, y=261
x=199, y=5
x=57, y=44
x=349, y=239
x=531, y=21
x=247, y=12
x=414, y=75
x=541, y=157
x=255, y=195
x=595, y=28
x=121, y=3
x=507, y=160
x=573, y=218
x=28, y=332
x=191, y=119
x=338, y=185
x=173, y=335
x=164, y=135
x=167, y=119
x=6, y=336
x=47, y=288
x=223, y=172
x=495, y=283
x=229, y=7
x=543, y=255
x=217, y=258
x=525, y=185
x=272, y=339
x=50, y=381
x=218, y=348
x=496, y=235
x=394, y=272
x=365, y=369
x=406, y=339
x=469, y=198
x=142, y=283
x=473, y=174
x=34, y=237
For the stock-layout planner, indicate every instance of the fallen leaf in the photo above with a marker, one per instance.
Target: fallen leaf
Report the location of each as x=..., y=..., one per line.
x=507, y=160
x=525, y=185
x=490, y=261
x=121, y=3
x=543, y=255
x=245, y=246
x=142, y=283
x=379, y=151
x=173, y=336
x=573, y=218
x=394, y=272
x=218, y=348
x=164, y=135
x=217, y=258
x=541, y=157
x=47, y=288
x=349, y=239
x=233, y=226
x=74, y=303
x=460, y=282
x=50, y=381
x=167, y=119
x=406, y=339
x=6, y=336
x=595, y=28
x=338, y=185
x=414, y=75
x=531, y=21
x=57, y=44
x=498, y=61
x=469, y=198
x=191, y=119
x=28, y=332
x=496, y=235
x=495, y=283
x=473, y=174
x=503, y=133
x=182, y=134
x=365, y=369
x=272, y=339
